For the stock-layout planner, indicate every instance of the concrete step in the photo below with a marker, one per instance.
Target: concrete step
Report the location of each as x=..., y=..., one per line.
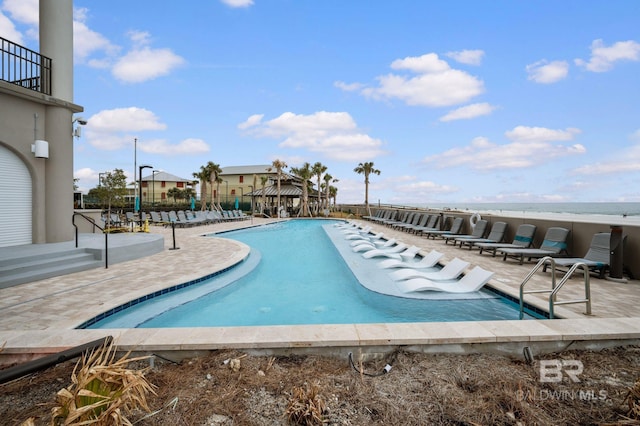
x=32, y=268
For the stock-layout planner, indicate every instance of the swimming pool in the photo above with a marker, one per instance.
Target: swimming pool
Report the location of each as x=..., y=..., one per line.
x=295, y=275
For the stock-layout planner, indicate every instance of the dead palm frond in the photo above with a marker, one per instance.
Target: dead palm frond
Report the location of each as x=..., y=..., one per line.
x=305, y=406
x=103, y=390
x=633, y=399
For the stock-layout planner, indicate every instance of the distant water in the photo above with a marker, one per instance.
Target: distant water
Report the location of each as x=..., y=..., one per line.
x=597, y=212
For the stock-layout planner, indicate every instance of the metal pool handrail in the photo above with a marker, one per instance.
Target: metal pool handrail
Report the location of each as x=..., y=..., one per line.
x=547, y=260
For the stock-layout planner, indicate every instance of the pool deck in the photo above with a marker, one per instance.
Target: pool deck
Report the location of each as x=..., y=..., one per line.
x=39, y=318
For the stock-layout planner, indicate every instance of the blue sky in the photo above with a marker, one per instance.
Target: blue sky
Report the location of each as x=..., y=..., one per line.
x=453, y=101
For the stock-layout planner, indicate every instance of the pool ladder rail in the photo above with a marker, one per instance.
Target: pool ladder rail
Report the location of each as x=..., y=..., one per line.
x=555, y=288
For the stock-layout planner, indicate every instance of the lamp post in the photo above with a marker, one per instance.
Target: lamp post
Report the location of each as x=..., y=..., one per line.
x=143, y=166
x=226, y=195
x=251, y=186
x=153, y=190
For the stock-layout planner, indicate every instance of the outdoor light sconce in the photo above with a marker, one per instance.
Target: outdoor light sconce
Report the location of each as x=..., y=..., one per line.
x=40, y=149
x=77, y=131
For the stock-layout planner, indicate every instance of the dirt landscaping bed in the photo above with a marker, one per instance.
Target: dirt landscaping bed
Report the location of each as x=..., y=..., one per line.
x=230, y=388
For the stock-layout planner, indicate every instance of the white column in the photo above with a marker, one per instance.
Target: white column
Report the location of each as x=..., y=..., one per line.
x=56, y=42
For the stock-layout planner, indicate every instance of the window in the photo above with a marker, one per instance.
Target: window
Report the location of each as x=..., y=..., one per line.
x=241, y=179
x=145, y=183
x=163, y=196
x=180, y=184
x=163, y=184
x=233, y=192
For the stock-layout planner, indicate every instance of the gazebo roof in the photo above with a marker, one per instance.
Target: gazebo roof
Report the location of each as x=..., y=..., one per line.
x=272, y=191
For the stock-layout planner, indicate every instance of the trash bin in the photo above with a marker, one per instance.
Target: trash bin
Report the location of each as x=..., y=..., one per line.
x=615, y=252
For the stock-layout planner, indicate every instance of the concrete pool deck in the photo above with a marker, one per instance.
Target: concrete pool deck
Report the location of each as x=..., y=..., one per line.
x=40, y=317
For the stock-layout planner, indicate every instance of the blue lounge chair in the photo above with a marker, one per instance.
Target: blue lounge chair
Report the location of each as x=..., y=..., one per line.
x=554, y=243
x=496, y=235
x=597, y=257
x=523, y=239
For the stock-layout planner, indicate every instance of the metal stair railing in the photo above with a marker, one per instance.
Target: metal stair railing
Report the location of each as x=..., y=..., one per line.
x=555, y=288
x=587, y=289
x=95, y=225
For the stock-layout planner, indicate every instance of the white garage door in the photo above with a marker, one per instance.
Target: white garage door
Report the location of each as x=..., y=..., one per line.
x=15, y=200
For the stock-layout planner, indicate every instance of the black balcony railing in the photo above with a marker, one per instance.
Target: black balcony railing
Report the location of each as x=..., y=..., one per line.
x=24, y=67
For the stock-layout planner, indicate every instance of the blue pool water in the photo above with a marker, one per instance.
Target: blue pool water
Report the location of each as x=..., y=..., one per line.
x=298, y=277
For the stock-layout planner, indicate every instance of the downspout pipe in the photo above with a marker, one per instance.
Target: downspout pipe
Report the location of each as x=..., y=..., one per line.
x=18, y=371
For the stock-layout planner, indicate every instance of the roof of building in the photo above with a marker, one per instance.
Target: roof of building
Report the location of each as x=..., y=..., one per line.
x=165, y=177
x=272, y=191
x=260, y=169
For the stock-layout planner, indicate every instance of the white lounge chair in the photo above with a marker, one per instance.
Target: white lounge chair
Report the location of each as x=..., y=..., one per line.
x=369, y=238
x=368, y=245
x=428, y=261
x=451, y=271
x=394, y=252
x=357, y=230
x=472, y=281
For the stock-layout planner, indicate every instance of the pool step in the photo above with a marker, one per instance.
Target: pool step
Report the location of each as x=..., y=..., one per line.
x=21, y=270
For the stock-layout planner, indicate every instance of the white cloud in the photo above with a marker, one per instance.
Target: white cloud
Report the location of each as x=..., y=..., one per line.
x=540, y=134
x=436, y=84
x=143, y=63
x=24, y=11
x=9, y=31
x=252, y=121
x=468, y=112
x=238, y=3
x=332, y=134
x=603, y=57
x=429, y=63
x=425, y=188
x=348, y=87
x=186, y=147
x=469, y=57
x=85, y=173
x=87, y=42
x=115, y=129
x=530, y=147
x=547, y=72
x=125, y=119
x=627, y=161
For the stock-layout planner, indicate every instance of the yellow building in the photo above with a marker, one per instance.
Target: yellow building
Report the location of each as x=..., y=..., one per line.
x=157, y=188
x=238, y=182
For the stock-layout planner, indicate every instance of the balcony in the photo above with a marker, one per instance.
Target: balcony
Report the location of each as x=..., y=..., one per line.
x=24, y=67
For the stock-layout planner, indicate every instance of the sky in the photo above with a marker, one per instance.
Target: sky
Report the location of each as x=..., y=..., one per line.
x=453, y=101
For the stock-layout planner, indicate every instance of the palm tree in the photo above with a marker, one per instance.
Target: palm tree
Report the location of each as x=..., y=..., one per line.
x=333, y=192
x=327, y=179
x=214, y=177
x=305, y=173
x=218, y=181
x=366, y=169
x=263, y=182
x=279, y=165
x=175, y=193
x=318, y=169
x=253, y=191
x=203, y=177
